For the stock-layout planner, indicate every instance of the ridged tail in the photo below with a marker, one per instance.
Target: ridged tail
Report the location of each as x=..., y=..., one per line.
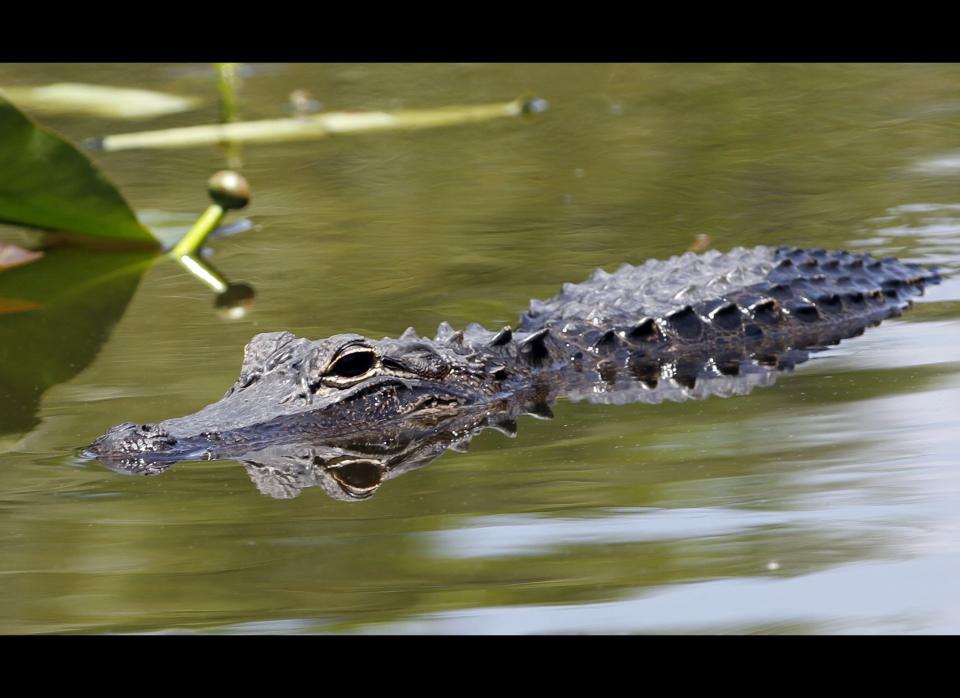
x=723, y=309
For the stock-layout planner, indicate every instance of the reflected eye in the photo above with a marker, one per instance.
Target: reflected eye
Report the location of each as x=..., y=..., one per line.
x=353, y=364
x=358, y=478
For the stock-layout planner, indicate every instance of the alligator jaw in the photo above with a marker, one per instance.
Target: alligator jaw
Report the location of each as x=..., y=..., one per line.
x=246, y=420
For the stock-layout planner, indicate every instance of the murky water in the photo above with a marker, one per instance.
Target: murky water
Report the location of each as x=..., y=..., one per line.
x=827, y=502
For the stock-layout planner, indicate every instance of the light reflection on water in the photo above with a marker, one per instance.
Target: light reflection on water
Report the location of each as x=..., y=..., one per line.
x=861, y=598
x=825, y=502
x=510, y=536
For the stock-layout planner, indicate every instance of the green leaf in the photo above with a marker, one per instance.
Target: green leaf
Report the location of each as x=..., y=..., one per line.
x=55, y=314
x=45, y=182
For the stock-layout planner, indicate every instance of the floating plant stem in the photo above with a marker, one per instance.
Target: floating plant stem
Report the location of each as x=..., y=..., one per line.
x=98, y=100
x=315, y=126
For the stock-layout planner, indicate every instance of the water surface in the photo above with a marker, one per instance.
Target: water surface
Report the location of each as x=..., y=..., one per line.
x=827, y=502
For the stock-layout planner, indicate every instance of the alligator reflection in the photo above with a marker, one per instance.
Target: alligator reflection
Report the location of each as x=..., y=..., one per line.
x=352, y=468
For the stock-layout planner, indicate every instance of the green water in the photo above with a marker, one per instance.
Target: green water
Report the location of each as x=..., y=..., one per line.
x=828, y=502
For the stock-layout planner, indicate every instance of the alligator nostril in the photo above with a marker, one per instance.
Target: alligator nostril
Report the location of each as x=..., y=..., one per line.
x=145, y=427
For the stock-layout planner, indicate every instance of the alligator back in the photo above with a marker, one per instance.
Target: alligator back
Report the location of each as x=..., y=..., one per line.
x=714, y=314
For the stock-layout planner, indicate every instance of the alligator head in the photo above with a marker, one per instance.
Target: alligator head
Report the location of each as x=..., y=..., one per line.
x=289, y=387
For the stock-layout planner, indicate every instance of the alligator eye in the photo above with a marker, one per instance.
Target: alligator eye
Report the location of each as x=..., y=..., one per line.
x=353, y=364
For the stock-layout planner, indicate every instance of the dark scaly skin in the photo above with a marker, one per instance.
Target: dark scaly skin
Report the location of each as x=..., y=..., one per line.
x=692, y=326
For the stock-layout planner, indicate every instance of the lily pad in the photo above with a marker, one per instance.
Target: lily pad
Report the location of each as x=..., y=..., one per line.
x=45, y=182
x=98, y=100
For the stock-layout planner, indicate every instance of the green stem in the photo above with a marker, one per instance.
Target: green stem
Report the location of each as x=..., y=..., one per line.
x=312, y=126
x=191, y=242
x=228, y=81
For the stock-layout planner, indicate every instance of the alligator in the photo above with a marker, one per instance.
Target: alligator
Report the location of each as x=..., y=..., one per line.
x=348, y=409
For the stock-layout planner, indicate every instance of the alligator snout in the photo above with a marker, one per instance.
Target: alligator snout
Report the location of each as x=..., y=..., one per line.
x=129, y=438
